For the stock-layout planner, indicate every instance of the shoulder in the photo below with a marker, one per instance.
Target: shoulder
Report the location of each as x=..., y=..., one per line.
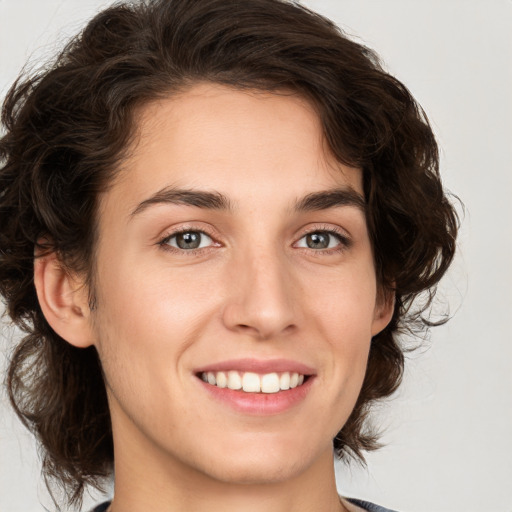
x=369, y=507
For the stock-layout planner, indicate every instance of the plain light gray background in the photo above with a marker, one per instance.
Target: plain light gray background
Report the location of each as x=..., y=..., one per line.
x=449, y=429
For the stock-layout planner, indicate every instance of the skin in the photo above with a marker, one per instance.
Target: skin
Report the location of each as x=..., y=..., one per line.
x=254, y=290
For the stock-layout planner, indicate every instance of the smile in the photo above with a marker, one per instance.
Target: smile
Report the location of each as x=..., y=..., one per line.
x=257, y=387
x=250, y=382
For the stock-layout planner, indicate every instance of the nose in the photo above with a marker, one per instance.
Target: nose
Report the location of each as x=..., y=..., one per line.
x=260, y=300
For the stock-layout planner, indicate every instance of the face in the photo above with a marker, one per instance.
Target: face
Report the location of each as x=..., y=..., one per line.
x=233, y=252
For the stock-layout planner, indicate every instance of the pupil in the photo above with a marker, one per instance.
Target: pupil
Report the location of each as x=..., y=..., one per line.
x=188, y=240
x=317, y=241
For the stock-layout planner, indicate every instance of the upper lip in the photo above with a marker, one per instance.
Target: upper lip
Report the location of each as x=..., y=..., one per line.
x=261, y=366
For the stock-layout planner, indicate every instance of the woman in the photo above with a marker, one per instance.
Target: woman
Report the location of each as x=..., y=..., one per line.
x=232, y=208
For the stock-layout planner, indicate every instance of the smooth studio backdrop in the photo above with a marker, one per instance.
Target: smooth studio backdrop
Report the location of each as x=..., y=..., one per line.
x=449, y=429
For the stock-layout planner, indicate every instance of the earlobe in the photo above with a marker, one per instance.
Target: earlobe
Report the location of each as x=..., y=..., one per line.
x=384, y=310
x=63, y=300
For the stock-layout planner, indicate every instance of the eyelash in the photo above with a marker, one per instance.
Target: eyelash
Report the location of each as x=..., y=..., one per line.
x=164, y=242
x=341, y=236
x=343, y=239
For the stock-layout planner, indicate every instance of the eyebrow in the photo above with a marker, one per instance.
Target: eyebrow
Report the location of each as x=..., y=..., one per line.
x=315, y=201
x=199, y=198
x=333, y=198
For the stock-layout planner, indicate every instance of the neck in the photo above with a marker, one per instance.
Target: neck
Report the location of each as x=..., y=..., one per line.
x=144, y=483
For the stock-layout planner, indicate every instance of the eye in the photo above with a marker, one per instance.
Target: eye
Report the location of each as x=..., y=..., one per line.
x=188, y=240
x=321, y=240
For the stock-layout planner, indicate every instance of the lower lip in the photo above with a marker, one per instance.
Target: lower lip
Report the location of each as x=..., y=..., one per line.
x=260, y=403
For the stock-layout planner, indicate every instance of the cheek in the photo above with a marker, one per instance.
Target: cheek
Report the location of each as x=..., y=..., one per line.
x=147, y=299
x=342, y=311
x=145, y=323
x=344, y=303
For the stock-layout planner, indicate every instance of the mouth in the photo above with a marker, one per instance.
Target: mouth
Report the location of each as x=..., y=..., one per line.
x=257, y=387
x=251, y=382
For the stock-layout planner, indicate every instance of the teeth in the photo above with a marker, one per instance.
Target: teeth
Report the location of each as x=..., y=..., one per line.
x=270, y=383
x=222, y=380
x=251, y=382
x=284, y=381
x=234, y=380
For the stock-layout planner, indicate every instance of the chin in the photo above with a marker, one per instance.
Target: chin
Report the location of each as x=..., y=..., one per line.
x=248, y=473
x=258, y=466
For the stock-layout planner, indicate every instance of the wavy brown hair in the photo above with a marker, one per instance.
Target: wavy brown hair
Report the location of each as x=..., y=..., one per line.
x=67, y=127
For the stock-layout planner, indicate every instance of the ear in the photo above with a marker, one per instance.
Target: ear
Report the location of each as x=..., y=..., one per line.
x=64, y=301
x=384, y=309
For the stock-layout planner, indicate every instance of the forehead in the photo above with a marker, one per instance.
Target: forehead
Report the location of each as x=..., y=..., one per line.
x=242, y=143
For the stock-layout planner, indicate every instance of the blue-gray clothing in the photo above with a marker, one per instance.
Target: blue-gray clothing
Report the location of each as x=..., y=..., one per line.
x=369, y=507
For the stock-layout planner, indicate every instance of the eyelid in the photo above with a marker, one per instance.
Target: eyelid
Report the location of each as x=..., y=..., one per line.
x=201, y=233
x=343, y=237
x=172, y=232
x=333, y=230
